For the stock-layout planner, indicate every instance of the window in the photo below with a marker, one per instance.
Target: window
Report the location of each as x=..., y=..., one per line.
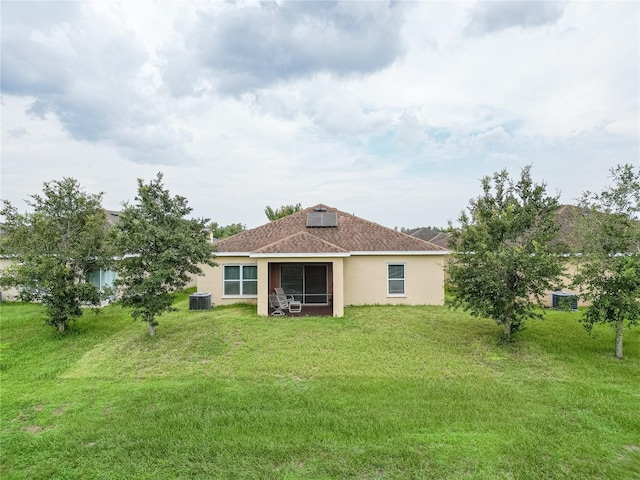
x=396, y=279
x=240, y=280
x=103, y=280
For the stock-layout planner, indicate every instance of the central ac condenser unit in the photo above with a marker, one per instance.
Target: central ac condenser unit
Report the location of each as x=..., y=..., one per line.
x=564, y=301
x=200, y=301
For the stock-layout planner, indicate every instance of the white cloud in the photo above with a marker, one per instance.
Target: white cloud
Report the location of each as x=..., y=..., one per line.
x=235, y=50
x=494, y=16
x=88, y=73
x=393, y=112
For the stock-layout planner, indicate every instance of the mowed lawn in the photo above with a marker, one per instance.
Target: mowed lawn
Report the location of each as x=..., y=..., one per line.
x=385, y=392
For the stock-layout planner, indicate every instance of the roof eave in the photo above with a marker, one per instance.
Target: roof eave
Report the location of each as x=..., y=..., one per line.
x=332, y=254
x=400, y=252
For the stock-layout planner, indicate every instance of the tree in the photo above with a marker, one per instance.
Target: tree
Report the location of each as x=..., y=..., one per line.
x=608, y=273
x=159, y=248
x=219, y=231
x=282, y=212
x=502, y=258
x=54, y=247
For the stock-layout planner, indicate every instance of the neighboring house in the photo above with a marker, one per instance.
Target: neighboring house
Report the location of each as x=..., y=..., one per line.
x=432, y=236
x=106, y=278
x=568, y=245
x=568, y=242
x=326, y=259
x=100, y=278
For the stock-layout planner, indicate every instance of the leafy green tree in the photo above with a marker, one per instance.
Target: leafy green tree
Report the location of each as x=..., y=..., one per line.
x=219, y=231
x=282, y=212
x=54, y=247
x=502, y=261
x=608, y=273
x=159, y=248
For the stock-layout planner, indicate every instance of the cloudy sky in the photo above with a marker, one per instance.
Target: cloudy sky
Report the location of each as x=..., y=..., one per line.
x=391, y=111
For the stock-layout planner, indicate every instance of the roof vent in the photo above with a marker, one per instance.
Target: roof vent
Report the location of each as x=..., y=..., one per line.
x=320, y=218
x=319, y=209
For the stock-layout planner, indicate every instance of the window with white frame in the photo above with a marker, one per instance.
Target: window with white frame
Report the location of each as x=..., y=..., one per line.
x=103, y=280
x=240, y=280
x=396, y=282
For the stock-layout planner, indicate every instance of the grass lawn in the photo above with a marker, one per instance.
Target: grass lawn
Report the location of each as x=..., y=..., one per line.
x=385, y=392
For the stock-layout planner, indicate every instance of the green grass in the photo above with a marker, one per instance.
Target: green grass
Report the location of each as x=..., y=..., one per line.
x=385, y=392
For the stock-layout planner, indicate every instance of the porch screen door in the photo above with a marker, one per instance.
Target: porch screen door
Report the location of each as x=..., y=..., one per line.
x=307, y=282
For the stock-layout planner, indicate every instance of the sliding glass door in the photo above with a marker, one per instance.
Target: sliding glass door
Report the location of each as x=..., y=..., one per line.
x=307, y=283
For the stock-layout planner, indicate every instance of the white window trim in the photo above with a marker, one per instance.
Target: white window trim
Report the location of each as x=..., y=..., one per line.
x=241, y=265
x=404, y=279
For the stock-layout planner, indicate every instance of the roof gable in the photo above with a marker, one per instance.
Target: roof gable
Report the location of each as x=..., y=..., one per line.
x=301, y=242
x=430, y=235
x=352, y=234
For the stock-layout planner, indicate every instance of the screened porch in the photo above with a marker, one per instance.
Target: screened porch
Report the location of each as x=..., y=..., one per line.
x=311, y=284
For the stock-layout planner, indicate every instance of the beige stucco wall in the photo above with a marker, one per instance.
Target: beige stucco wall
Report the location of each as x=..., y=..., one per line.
x=193, y=280
x=570, y=269
x=357, y=280
x=211, y=280
x=7, y=293
x=365, y=279
x=263, y=294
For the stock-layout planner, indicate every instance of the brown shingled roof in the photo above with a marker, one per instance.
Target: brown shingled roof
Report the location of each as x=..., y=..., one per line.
x=567, y=217
x=301, y=242
x=112, y=216
x=353, y=234
x=431, y=235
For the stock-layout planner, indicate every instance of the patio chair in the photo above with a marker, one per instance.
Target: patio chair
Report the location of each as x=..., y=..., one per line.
x=293, y=306
x=280, y=291
x=275, y=305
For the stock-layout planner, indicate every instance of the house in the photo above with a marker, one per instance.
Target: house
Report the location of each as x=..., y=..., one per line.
x=430, y=235
x=568, y=245
x=100, y=278
x=326, y=259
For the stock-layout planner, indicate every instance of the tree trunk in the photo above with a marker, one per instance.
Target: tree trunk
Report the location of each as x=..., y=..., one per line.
x=507, y=329
x=619, y=328
x=152, y=328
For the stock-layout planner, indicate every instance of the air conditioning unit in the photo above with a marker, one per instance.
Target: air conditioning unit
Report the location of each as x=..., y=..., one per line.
x=200, y=301
x=564, y=301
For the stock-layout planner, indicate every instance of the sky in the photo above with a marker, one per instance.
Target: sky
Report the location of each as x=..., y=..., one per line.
x=390, y=111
